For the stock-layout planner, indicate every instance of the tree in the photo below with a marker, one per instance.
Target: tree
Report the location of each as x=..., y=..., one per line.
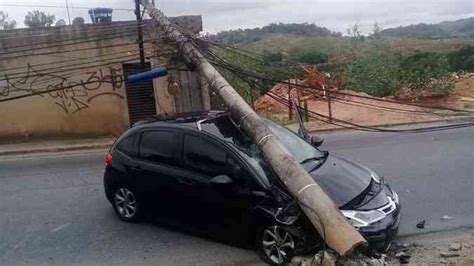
x=38, y=19
x=376, y=31
x=5, y=22
x=78, y=21
x=60, y=23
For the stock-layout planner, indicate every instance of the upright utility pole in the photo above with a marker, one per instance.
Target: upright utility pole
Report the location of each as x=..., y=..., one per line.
x=140, y=33
x=318, y=207
x=68, y=16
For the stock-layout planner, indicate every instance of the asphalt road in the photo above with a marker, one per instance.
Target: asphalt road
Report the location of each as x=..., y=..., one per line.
x=53, y=210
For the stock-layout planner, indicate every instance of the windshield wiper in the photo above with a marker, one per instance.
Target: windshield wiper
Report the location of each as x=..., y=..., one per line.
x=324, y=156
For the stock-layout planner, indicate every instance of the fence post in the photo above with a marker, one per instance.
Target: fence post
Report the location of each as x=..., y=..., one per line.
x=328, y=97
x=290, y=106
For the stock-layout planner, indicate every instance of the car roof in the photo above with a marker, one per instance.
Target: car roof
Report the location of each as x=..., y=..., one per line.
x=189, y=119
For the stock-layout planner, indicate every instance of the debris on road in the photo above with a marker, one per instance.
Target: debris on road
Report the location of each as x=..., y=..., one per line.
x=452, y=248
x=455, y=247
x=330, y=258
x=404, y=257
x=421, y=224
x=446, y=217
x=449, y=254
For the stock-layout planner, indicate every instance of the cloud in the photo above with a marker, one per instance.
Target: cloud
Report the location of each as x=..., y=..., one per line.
x=336, y=15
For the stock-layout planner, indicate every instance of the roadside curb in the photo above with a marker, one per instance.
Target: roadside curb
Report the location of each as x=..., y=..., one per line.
x=453, y=120
x=57, y=149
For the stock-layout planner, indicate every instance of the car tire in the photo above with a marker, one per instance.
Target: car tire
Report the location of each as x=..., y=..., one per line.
x=276, y=244
x=127, y=204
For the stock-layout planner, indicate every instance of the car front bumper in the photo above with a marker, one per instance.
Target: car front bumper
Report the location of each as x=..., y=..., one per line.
x=381, y=234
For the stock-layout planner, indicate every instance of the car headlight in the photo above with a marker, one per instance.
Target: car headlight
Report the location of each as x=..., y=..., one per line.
x=395, y=197
x=363, y=218
x=374, y=176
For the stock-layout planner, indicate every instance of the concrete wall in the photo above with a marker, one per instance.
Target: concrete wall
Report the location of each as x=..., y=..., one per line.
x=90, y=96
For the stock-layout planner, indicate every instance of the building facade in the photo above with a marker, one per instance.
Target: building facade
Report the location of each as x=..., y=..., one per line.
x=71, y=81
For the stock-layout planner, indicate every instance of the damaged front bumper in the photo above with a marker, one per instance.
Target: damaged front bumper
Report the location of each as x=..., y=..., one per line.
x=380, y=235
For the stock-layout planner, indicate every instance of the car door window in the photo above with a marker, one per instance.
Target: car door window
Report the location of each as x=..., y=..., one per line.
x=206, y=158
x=128, y=145
x=159, y=147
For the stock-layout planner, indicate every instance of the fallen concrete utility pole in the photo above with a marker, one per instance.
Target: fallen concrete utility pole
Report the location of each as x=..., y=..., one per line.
x=319, y=208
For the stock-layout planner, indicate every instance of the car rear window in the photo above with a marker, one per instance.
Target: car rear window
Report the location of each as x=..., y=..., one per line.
x=128, y=145
x=158, y=146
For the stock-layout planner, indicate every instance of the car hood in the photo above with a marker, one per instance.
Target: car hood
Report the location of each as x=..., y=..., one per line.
x=342, y=179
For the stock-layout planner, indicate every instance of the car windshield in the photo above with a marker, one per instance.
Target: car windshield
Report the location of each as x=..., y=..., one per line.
x=225, y=129
x=299, y=148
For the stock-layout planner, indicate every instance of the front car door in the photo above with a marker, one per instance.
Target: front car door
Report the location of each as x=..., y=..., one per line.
x=214, y=207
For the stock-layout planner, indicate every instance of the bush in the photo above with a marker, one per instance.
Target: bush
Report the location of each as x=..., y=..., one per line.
x=313, y=57
x=374, y=72
x=421, y=69
x=272, y=57
x=462, y=59
x=379, y=72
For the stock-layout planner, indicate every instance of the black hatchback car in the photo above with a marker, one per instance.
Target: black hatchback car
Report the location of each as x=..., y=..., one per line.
x=201, y=171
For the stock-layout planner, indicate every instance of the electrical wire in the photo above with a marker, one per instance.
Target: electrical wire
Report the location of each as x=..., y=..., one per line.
x=55, y=63
x=63, y=7
x=51, y=32
x=225, y=64
x=100, y=39
x=70, y=41
x=74, y=50
x=354, y=126
x=342, y=93
x=63, y=78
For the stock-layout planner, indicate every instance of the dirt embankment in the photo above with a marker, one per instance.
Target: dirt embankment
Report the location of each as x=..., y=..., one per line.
x=349, y=106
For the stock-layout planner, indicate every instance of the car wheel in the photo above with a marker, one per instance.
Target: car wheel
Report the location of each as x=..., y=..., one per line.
x=276, y=244
x=127, y=205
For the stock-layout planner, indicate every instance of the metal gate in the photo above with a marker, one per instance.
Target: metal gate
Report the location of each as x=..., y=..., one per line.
x=140, y=95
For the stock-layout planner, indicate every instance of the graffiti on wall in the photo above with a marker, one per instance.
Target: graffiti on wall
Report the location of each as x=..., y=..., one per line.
x=67, y=92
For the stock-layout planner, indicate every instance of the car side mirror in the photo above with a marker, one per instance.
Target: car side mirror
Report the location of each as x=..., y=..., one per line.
x=316, y=141
x=221, y=180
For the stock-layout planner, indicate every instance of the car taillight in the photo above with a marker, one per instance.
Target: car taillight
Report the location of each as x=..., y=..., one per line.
x=108, y=159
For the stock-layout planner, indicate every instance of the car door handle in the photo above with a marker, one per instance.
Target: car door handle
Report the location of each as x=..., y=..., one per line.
x=186, y=182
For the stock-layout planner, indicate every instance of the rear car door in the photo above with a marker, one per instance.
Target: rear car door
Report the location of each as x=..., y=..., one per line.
x=158, y=159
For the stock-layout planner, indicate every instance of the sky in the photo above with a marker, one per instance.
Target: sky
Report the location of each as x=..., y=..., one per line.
x=218, y=15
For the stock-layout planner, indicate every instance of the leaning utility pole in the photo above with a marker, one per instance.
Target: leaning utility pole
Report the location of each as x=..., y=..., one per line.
x=140, y=33
x=319, y=208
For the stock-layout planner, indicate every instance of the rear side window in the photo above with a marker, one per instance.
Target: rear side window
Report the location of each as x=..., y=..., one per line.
x=129, y=145
x=158, y=146
x=204, y=157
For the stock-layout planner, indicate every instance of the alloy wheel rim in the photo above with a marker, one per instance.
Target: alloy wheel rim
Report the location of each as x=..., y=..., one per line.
x=125, y=202
x=278, y=244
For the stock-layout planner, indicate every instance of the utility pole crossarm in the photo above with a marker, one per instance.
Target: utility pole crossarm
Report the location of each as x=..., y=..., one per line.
x=318, y=207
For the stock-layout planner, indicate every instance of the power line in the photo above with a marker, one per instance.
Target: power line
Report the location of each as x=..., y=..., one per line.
x=63, y=77
x=54, y=75
x=85, y=40
x=58, y=31
x=55, y=6
x=332, y=92
x=55, y=63
x=124, y=32
x=354, y=126
x=31, y=71
x=221, y=62
x=73, y=50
